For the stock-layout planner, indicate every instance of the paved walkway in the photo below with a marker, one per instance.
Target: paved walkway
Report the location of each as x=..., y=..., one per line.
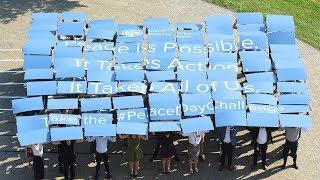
x=14, y=21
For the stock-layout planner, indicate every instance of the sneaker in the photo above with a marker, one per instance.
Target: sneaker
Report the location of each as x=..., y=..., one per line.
x=263, y=167
x=295, y=166
x=191, y=170
x=283, y=166
x=253, y=166
x=196, y=169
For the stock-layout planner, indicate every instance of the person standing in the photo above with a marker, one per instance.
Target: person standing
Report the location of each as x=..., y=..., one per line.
x=69, y=158
x=194, y=149
x=167, y=150
x=291, y=145
x=134, y=151
x=227, y=138
x=260, y=138
x=157, y=147
x=101, y=153
x=38, y=164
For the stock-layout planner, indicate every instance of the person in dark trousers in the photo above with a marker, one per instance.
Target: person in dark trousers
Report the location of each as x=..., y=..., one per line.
x=167, y=150
x=291, y=145
x=60, y=160
x=102, y=153
x=38, y=164
x=68, y=158
x=227, y=138
x=261, y=136
x=157, y=150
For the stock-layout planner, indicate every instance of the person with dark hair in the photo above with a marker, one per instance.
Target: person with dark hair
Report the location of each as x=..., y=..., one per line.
x=157, y=149
x=291, y=145
x=69, y=158
x=260, y=138
x=167, y=150
x=227, y=138
x=102, y=153
x=38, y=164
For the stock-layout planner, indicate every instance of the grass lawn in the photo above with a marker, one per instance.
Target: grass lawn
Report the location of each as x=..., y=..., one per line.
x=306, y=14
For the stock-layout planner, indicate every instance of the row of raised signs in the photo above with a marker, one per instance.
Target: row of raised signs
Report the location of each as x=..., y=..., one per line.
x=167, y=106
x=186, y=86
x=278, y=26
x=35, y=129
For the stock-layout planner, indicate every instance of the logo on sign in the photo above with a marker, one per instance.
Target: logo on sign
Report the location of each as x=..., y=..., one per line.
x=132, y=33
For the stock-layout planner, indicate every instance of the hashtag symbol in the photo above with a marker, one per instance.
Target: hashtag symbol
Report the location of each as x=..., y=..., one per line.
x=121, y=116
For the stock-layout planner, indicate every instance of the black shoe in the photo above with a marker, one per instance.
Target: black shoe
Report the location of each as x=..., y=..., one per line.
x=283, y=166
x=253, y=166
x=96, y=176
x=153, y=158
x=108, y=176
x=263, y=167
x=295, y=166
x=221, y=167
x=176, y=159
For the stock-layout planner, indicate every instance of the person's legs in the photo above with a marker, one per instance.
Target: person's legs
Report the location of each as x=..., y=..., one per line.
x=41, y=168
x=36, y=164
x=263, y=148
x=66, y=169
x=285, y=153
x=222, y=155
x=136, y=167
x=202, y=156
x=255, y=156
x=196, y=164
x=293, y=149
x=72, y=173
x=230, y=155
x=163, y=161
x=131, y=164
x=106, y=164
x=190, y=165
x=98, y=160
x=168, y=164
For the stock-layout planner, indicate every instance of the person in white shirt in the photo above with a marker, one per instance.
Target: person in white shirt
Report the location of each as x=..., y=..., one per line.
x=194, y=149
x=38, y=164
x=102, y=154
x=260, y=138
x=291, y=145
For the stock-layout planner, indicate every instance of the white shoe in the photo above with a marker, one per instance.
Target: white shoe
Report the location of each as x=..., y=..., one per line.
x=196, y=169
x=191, y=170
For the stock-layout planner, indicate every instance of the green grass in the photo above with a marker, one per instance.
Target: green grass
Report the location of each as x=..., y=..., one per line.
x=306, y=14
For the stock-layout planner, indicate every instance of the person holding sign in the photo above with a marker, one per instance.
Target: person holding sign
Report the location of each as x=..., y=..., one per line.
x=194, y=149
x=167, y=150
x=227, y=138
x=292, y=136
x=134, y=151
x=260, y=138
x=101, y=153
x=38, y=164
x=68, y=157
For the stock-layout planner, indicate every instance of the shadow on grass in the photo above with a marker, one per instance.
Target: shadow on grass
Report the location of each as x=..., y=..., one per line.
x=11, y=9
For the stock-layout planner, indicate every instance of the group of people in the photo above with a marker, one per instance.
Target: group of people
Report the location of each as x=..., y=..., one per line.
x=260, y=137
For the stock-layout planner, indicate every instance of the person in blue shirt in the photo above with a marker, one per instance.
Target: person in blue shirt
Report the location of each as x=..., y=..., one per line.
x=227, y=138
